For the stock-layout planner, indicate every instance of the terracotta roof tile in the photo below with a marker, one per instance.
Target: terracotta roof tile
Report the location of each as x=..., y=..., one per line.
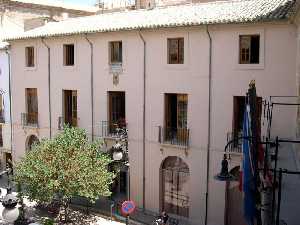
x=219, y=12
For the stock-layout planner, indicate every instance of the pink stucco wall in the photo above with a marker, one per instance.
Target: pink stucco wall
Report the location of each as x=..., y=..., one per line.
x=276, y=75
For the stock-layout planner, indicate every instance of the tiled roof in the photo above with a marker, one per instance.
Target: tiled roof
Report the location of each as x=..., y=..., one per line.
x=219, y=12
x=58, y=4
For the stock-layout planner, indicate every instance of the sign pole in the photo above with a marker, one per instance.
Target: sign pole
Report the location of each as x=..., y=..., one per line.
x=127, y=208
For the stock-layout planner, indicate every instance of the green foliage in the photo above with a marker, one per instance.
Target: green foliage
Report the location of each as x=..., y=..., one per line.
x=48, y=222
x=67, y=165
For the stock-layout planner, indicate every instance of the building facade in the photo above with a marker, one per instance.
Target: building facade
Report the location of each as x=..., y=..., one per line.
x=17, y=17
x=177, y=88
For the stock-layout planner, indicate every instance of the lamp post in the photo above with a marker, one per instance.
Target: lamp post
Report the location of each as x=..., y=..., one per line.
x=120, y=154
x=224, y=175
x=10, y=213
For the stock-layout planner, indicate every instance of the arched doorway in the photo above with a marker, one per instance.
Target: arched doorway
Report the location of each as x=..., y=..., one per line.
x=175, y=178
x=30, y=141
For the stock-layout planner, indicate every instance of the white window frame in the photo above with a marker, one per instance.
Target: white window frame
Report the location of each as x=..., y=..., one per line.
x=186, y=60
x=261, y=64
x=61, y=55
x=27, y=68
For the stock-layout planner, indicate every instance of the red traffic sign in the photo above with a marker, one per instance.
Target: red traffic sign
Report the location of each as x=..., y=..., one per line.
x=128, y=207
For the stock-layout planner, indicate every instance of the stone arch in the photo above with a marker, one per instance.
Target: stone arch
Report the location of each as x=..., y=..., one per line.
x=174, y=186
x=30, y=141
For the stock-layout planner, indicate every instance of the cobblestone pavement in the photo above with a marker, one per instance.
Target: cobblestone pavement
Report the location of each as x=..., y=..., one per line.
x=77, y=218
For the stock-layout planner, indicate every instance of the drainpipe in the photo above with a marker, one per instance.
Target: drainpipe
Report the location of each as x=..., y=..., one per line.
x=209, y=123
x=144, y=121
x=49, y=87
x=92, y=83
x=10, y=99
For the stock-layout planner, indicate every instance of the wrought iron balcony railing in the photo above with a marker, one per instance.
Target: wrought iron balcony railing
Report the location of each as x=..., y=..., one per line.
x=111, y=129
x=2, y=116
x=72, y=121
x=174, y=136
x=30, y=119
x=236, y=146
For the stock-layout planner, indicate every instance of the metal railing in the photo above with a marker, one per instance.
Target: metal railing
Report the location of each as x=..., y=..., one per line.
x=174, y=136
x=29, y=119
x=2, y=116
x=111, y=129
x=236, y=146
x=73, y=121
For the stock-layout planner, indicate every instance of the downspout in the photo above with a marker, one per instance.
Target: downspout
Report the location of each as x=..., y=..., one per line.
x=49, y=87
x=209, y=122
x=92, y=83
x=144, y=121
x=10, y=99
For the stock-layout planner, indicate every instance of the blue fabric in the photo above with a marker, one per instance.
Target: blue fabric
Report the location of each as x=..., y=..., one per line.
x=248, y=171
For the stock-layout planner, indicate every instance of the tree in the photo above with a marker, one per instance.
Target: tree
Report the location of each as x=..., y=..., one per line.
x=66, y=166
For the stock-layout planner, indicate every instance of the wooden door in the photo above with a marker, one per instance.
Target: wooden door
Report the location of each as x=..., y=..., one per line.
x=32, y=105
x=182, y=106
x=70, y=107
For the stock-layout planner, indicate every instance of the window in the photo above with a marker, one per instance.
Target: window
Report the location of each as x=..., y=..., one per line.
x=249, y=49
x=175, y=51
x=116, y=114
x=175, y=129
x=69, y=55
x=70, y=107
x=32, y=106
x=1, y=138
x=29, y=55
x=176, y=110
x=115, y=52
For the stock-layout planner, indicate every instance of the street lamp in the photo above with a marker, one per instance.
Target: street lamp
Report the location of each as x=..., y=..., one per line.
x=224, y=175
x=119, y=154
x=10, y=213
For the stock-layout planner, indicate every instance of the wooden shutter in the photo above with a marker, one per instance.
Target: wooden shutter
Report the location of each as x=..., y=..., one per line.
x=74, y=108
x=182, y=104
x=167, y=111
x=245, y=42
x=32, y=105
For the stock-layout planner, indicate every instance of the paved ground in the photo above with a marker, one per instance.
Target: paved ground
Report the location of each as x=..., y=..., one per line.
x=78, y=218
x=289, y=159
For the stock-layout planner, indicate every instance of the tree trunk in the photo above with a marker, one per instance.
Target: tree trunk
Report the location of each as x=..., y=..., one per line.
x=64, y=212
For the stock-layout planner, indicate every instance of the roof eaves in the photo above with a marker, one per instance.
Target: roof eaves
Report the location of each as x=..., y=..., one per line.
x=241, y=21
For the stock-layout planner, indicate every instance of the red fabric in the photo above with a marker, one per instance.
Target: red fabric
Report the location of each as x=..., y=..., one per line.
x=241, y=180
x=260, y=154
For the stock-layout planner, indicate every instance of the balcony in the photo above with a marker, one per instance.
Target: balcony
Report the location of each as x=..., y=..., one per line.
x=2, y=116
x=236, y=146
x=72, y=121
x=30, y=120
x=174, y=136
x=111, y=129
